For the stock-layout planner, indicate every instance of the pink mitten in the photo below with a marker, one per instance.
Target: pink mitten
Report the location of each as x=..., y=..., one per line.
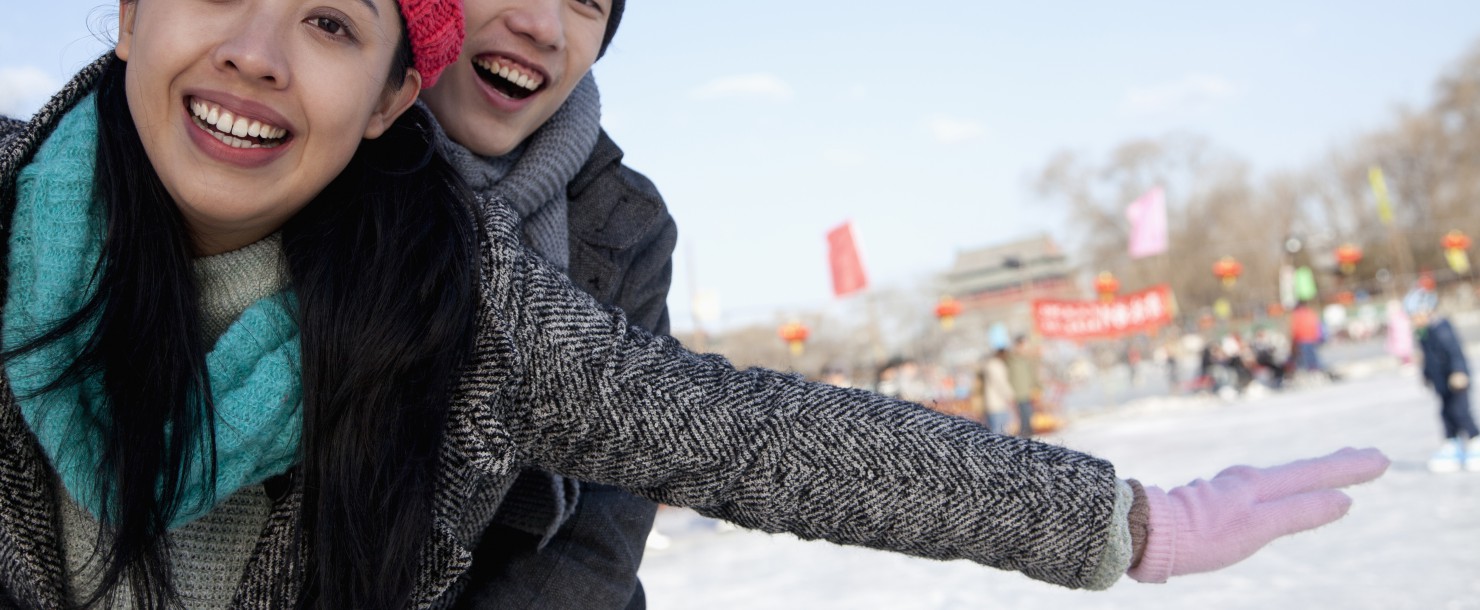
x=1207, y=525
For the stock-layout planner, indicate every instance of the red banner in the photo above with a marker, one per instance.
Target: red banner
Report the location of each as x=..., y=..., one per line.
x=847, y=268
x=1144, y=311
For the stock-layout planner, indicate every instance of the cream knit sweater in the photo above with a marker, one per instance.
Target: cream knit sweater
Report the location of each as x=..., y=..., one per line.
x=210, y=553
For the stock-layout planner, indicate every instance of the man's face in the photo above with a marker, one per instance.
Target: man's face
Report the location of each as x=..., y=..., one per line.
x=519, y=63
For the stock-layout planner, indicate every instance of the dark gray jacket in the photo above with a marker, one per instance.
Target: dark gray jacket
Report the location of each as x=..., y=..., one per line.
x=621, y=248
x=557, y=381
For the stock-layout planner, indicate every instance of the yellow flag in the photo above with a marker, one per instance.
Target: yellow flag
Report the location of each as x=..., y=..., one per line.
x=1459, y=260
x=1379, y=189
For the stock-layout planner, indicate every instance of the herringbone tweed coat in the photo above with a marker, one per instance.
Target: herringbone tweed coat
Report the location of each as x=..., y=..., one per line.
x=559, y=382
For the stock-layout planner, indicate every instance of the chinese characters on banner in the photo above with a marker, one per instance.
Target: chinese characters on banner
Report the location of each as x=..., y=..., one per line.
x=847, y=267
x=1144, y=311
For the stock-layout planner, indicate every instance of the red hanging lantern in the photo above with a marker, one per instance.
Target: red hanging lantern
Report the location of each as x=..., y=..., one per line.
x=1228, y=269
x=795, y=336
x=1456, y=240
x=1106, y=286
x=1348, y=255
x=947, y=310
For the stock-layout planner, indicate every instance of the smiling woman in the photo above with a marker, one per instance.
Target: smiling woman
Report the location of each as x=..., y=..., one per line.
x=234, y=151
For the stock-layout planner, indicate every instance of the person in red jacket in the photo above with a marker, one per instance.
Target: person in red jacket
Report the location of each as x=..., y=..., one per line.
x=1307, y=335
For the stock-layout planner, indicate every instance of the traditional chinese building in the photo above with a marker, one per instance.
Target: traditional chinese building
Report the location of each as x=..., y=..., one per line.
x=999, y=282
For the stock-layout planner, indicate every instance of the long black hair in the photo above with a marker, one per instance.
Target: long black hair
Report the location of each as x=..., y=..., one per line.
x=383, y=267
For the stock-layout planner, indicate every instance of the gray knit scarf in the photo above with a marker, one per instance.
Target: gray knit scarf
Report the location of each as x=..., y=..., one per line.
x=533, y=177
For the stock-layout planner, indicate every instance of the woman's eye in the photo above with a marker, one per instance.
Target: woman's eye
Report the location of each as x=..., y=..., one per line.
x=329, y=25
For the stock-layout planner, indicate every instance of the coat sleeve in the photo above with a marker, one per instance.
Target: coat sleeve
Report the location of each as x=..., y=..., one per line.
x=9, y=128
x=593, y=397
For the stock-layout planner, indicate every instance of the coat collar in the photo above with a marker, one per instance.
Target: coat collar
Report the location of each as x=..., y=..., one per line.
x=609, y=207
x=28, y=532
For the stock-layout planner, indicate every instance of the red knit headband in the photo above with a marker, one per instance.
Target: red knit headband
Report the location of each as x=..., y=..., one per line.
x=436, y=31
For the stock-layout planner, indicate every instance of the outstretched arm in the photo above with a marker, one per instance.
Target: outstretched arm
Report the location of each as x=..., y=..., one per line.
x=594, y=398
x=597, y=399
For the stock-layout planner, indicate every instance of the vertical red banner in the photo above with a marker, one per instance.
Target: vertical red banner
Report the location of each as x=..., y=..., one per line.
x=847, y=267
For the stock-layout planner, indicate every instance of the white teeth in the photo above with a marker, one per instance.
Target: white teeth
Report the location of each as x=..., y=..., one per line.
x=232, y=141
x=511, y=74
x=223, y=122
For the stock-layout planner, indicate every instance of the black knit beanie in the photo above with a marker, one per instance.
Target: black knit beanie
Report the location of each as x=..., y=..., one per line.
x=612, y=19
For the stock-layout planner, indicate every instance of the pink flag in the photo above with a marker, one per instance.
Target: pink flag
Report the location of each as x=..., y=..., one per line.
x=847, y=267
x=1148, y=216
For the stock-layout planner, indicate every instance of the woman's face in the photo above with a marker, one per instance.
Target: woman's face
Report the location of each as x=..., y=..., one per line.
x=248, y=108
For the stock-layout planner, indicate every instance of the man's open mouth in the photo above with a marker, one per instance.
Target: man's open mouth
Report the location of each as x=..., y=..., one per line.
x=507, y=77
x=235, y=131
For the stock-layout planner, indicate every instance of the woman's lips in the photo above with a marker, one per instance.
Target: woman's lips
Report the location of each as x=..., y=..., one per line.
x=233, y=137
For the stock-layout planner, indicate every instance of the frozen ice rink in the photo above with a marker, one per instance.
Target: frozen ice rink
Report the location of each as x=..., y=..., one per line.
x=1412, y=539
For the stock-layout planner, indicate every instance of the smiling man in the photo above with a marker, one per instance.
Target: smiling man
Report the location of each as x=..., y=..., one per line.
x=521, y=117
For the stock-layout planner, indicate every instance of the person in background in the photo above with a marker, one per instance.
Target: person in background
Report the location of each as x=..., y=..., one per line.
x=1022, y=369
x=1399, y=333
x=1307, y=335
x=520, y=118
x=1447, y=372
x=997, y=391
x=1267, y=356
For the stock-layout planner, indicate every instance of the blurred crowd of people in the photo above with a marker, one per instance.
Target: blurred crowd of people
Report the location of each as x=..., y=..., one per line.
x=1002, y=384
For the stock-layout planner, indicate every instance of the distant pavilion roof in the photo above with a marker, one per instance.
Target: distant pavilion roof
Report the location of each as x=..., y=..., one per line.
x=1007, y=267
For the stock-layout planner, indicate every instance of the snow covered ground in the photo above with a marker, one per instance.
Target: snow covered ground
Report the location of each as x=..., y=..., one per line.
x=1412, y=539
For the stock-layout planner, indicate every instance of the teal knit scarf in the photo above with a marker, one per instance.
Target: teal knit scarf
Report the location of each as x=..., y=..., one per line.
x=55, y=244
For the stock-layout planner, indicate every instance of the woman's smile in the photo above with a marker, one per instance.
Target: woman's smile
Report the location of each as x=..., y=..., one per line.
x=229, y=132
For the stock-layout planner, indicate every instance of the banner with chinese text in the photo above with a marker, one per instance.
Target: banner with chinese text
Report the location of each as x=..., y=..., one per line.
x=1140, y=312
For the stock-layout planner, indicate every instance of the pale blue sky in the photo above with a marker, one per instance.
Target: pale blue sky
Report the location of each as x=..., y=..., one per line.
x=766, y=123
